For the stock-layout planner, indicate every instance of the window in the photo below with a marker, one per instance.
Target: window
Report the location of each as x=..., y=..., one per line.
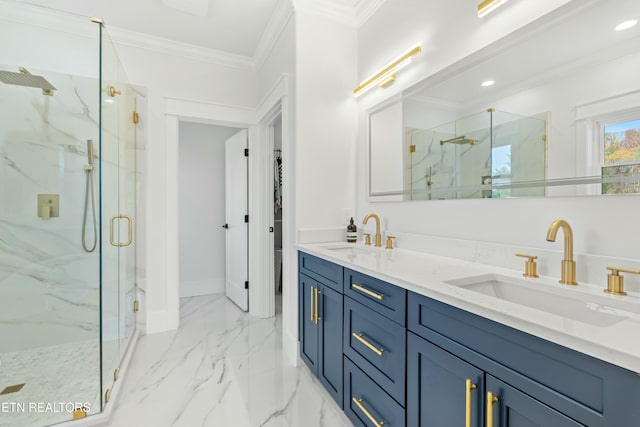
x=620, y=163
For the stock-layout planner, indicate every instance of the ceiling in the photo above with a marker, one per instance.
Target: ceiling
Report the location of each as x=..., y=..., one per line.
x=230, y=26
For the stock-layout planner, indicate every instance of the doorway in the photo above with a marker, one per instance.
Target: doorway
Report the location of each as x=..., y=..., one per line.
x=202, y=207
x=275, y=137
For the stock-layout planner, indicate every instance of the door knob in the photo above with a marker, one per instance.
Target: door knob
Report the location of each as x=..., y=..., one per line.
x=225, y=226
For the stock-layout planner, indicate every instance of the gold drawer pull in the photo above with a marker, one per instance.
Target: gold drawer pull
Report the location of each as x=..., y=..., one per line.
x=469, y=387
x=317, y=293
x=312, y=294
x=375, y=422
x=371, y=347
x=367, y=291
x=491, y=399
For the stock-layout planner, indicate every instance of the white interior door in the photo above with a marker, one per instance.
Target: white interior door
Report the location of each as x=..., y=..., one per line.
x=236, y=240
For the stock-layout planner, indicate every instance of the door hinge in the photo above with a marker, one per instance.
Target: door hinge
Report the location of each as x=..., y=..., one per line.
x=246, y=218
x=136, y=306
x=135, y=117
x=246, y=152
x=246, y=284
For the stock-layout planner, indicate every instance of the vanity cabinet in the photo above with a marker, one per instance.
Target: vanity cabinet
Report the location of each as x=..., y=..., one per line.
x=375, y=351
x=320, y=321
x=536, y=382
x=397, y=358
x=445, y=390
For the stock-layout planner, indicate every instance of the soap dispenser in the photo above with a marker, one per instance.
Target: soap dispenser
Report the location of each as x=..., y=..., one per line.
x=352, y=232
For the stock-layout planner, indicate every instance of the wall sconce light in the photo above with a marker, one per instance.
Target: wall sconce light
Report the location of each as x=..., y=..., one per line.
x=387, y=74
x=488, y=6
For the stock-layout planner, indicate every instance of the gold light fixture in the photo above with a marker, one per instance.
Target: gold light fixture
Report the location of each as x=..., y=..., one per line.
x=488, y=6
x=387, y=74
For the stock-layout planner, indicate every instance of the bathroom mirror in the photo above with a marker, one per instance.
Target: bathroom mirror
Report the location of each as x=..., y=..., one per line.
x=561, y=118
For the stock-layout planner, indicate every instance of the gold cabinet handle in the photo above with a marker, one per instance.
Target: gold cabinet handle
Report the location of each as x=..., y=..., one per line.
x=317, y=294
x=312, y=293
x=370, y=346
x=469, y=386
x=367, y=291
x=491, y=399
x=359, y=404
x=130, y=230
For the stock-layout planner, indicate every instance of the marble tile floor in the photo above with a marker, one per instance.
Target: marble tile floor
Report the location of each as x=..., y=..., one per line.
x=221, y=368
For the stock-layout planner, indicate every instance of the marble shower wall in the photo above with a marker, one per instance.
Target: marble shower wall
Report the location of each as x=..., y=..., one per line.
x=49, y=290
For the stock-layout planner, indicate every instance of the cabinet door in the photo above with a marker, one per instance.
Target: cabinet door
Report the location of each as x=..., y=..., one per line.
x=516, y=409
x=437, y=387
x=308, y=326
x=330, y=341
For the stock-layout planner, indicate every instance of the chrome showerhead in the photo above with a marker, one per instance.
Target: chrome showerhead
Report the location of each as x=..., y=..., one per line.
x=25, y=78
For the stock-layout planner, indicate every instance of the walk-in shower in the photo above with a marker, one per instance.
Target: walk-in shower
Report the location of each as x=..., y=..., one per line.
x=67, y=202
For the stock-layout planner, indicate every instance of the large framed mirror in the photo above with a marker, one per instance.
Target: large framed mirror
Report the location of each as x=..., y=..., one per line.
x=551, y=110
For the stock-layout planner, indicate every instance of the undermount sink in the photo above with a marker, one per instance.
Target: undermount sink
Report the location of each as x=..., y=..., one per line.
x=563, y=301
x=353, y=250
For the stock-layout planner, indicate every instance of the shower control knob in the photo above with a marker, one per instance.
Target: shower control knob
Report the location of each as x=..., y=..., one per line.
x=225, y=226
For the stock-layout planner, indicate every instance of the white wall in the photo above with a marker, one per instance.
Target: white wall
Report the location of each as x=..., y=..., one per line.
x=202, y=207
x=601, y=224
x=325, y=119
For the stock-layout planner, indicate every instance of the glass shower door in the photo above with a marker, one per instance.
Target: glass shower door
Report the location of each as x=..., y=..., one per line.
x=118, y=212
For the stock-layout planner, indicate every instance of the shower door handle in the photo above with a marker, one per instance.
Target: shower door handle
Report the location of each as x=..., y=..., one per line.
x=129, y=231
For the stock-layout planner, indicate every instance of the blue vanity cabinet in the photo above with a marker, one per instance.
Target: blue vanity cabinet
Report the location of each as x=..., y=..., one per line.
x=320, y=321
x=377, y=345
x=537, y=382
x=513, y=408
x=366, y=404
x=441, y=388
x=308, y=328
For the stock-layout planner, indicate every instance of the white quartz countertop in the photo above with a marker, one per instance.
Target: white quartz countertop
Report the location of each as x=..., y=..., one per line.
x=427, y=274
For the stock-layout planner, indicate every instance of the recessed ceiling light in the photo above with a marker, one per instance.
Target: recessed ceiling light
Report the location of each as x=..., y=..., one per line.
x=626, y=25
x=487, y=83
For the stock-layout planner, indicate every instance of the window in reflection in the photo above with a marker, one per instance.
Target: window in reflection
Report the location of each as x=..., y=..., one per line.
x=621, y=157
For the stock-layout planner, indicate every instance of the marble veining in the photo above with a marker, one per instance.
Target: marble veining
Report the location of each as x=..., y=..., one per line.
x=220, y=368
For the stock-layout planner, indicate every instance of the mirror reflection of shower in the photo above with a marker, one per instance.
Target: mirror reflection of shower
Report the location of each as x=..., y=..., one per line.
x=88, y=168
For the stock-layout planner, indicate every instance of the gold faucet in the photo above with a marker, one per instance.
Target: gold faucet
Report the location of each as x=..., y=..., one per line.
x=568, y=276
x=378, y=235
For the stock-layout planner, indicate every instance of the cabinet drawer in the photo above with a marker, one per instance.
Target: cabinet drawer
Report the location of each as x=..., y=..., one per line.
x=366, y=404
x=377, y=345
x=322, y=270
x=385, y=298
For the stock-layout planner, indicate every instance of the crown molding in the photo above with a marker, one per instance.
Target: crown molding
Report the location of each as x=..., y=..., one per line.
x=365, y=9
x=176, y=48
x=276, y=25
x=328, y=9
x=50, y=19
